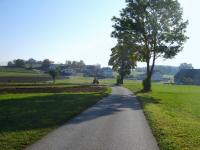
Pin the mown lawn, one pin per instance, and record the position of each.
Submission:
(173, 113)
(25, 118)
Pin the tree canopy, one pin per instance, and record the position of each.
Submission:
(153, 29)
(122, 60)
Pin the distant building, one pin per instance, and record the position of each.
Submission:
(96, 70)
(157, 76)
(67, 72)
(107, 72)
(140, 76)
(91, 70)
(187, 77)
(52, 67)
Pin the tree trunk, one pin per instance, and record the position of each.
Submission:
(122, 79)
(147, 83)
(147, 80)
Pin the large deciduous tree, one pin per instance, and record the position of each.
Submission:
(155, 28)
(122, 60)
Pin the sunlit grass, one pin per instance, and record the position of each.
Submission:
(174, 114)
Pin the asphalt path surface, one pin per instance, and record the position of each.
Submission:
(114, 123)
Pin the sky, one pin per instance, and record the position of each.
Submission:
(63, 30)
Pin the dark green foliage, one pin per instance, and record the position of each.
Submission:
(188, 76)
(146, 84)
(95, 81)
(46, 64)
(10, 64)
(53, 73)
(122, 60)
(187, 81)
(19, 63)
(119, 80)
(153, 28)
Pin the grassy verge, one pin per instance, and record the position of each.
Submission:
(173, 113)
(25, 118)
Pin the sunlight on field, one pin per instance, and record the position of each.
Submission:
(174, 114)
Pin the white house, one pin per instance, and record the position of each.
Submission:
(107, 72)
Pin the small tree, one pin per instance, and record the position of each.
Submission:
(122, 61)
(10, 64)
(153, 28)
(53, 73)
(19, 63)
(30, 62)
(46, 64)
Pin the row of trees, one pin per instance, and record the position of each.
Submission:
(76, 65)
(147, 30)
(45, 64)
(30, 63)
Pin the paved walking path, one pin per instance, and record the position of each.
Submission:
(115, 123)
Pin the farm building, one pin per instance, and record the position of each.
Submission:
(95, 70)
(91, 70)
(187, 77)
(157, 76)
(106, 72)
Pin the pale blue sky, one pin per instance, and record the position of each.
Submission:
(75, 29)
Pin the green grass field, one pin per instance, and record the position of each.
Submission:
(18, 72)
(20, 75)
(173, 113)
(25, 118)
(85, 80)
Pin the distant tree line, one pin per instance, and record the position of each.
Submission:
(167, 70)
(30, 63)
(45, 64)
